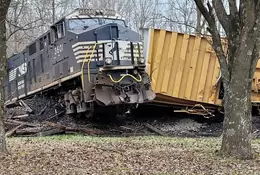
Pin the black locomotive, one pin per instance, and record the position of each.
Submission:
(89, 59)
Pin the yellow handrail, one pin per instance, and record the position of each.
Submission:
(88, 61)
(129, 75)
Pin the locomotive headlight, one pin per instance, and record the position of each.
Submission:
(108, 61)
(142, 60)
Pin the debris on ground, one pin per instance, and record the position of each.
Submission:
(43, 116)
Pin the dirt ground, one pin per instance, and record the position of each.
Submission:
(133, 155)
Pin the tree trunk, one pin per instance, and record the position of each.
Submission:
(237, 123)
(237, 66)
(2, 76)
(237, 128)
(4, 5)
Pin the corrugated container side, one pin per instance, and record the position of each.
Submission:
(182, 66)
(185, 69)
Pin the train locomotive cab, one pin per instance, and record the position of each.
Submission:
(110, 59)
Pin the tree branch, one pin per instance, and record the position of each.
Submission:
(247, 17)
(204, 12)
(255, 34)
(217, 44)
(233, 8)
(221, 14)
(21, 27)
(179, 22)
(255, 57)
(257, 7)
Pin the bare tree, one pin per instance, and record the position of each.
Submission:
(138, 13)
(21, 21)
(27, 19)
(182, 15)
(18, 21)
(4, 5)
(143, 14)
(83, 3)
(16, 8)
(242, 28)
(200, 22)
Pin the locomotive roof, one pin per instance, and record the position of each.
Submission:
(93, 13)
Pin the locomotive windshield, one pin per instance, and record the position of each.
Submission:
(83, 23)
(107, 21)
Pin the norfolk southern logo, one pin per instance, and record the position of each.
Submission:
(17, 72)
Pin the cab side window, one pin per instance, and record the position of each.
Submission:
(58, 31)
(32, 49)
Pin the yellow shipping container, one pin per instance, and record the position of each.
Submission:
(185, 70)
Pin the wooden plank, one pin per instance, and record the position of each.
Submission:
(20, 116)
(50, 132)
(126, 128)
(12, 131)
(83, 130)
(155, 129)
(29, 130)
(21, 123)
(55, 115)
(23, 104)
(43, 110)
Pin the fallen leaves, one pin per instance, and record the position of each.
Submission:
(132, 155)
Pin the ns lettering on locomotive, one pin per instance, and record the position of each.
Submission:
(88, 59)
